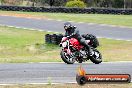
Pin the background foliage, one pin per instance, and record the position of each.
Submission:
(75, 3)
(62, 3)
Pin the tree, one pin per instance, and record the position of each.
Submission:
(118, 4)
(60, 2)
(51, 2)
(128, 3)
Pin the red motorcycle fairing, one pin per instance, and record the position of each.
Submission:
(75, 43)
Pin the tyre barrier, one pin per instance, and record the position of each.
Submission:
(48, 38)
(68, 10)
(56, 39)
(53, 38)
(59, 38)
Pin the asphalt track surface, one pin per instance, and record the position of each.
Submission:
(100, 30)
(61, 72)
(56, 72)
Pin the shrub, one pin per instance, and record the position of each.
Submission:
(75, 3)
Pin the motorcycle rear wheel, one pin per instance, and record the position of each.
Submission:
(66, 58)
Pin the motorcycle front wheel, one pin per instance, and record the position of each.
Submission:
(97, 57)
(67, 58)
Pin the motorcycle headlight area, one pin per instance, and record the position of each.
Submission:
(64, 44)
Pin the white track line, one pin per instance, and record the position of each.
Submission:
(72, 21)
(78, 63)
(56, 32)
(114, 39)
(12, 84)
(27, 28)
(40, 83)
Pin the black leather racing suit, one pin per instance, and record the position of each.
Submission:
(74, 33)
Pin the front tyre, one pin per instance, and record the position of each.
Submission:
(67, 58)
(97, 57)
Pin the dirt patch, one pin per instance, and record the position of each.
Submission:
(23, 15)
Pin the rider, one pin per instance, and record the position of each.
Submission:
(71, 31)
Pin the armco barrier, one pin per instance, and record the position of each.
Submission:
(67, 10)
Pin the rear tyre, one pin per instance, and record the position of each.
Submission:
(66, 58)
(97, 57)
(80, 62)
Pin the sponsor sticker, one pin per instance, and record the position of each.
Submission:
(83, 78)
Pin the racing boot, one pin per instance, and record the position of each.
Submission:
(90, 51)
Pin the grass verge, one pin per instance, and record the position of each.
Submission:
(71, 86)
(21, 46)
(119, 20)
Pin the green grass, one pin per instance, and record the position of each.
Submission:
(115, 50)
(120, 20)
(21, 46)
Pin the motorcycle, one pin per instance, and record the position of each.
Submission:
(73, 51)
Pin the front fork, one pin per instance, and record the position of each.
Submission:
(68, 49)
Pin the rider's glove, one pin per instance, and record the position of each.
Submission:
(68, 37)
(72, 34)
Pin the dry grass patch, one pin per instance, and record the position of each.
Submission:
(14, 14)
(71, 86)
(116, 50)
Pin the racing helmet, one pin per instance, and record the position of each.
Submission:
(67, 26)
